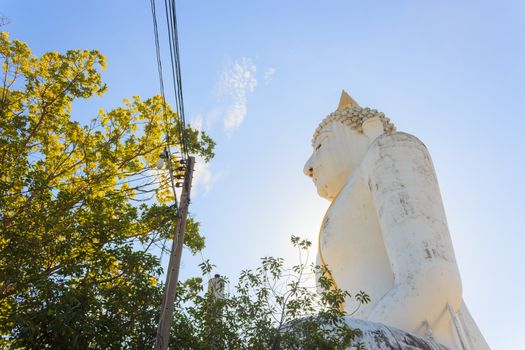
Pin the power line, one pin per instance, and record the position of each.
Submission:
(159, 65)
(171, 19)
(161, 82)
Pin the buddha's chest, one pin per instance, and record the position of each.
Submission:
(351, 243)
(350, 229)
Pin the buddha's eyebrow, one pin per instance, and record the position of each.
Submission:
(321, 137)
(326, 130)
(322, 134)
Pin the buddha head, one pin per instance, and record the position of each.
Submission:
(340, 144)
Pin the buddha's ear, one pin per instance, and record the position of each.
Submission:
(373, 128)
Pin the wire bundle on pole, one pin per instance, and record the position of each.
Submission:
(173, 38)
(171, 20)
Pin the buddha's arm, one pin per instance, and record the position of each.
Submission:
(407, 199)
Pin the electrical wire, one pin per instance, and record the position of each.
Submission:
(171, 18)
(161, 82)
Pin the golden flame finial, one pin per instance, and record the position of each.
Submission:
(346, 101)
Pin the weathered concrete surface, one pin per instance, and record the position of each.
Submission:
(376, 336)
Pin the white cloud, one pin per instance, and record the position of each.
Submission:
(197, 121)
(212, 116)
(269, 73)
(235, 84)
(203, 177)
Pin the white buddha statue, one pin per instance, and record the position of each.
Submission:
(386, 232)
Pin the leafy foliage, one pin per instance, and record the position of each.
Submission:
(272, 307)
(80, 207)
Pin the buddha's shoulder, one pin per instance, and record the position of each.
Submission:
(396, 143)
(396, 140)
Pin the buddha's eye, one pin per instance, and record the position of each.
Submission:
(318, 146)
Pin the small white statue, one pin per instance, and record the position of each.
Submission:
(386, 232)
(216, 287)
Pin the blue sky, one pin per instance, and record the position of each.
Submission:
(260, 76)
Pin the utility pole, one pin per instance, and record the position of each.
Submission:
(172, 277)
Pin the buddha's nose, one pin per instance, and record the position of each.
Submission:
(308, 169)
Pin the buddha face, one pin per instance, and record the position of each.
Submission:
(338, 151)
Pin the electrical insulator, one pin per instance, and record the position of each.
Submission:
(162, 156)
(160, 164)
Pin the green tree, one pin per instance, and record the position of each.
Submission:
(271, 307)
(80, 207)
(81, 210)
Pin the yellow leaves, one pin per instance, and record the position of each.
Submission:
(153, 281)
(124, 187)
(3, 242)
(101, 60)
(164, 193)
(114, 266)
(4, 40)
(99, 194)
(16, 55)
